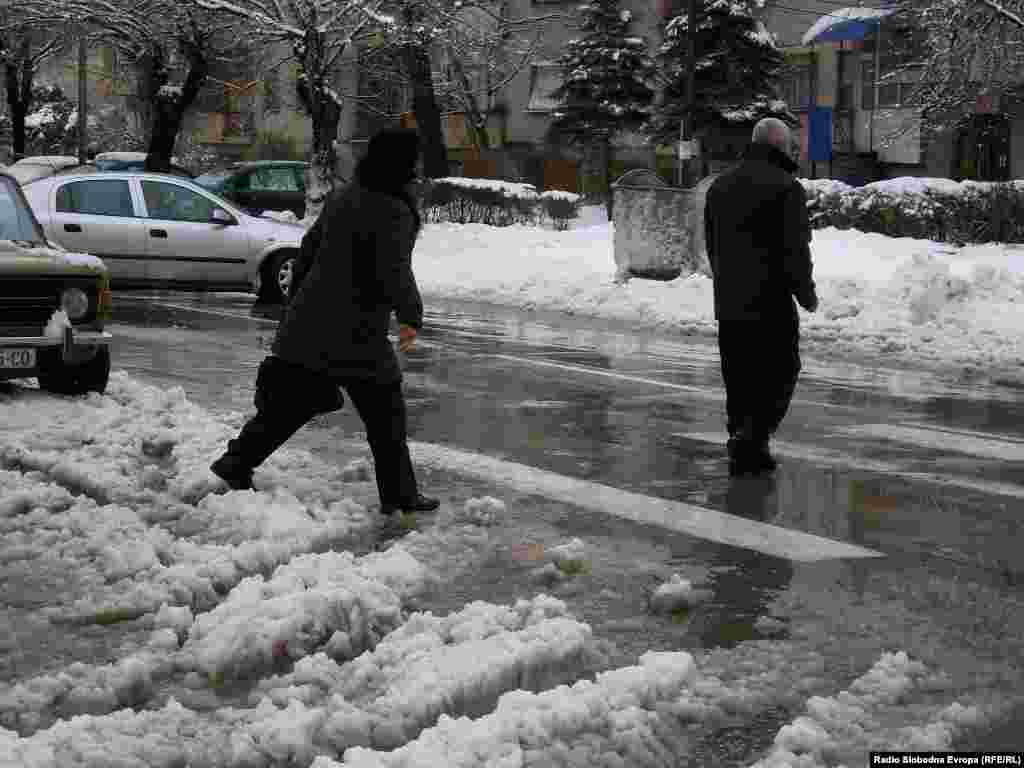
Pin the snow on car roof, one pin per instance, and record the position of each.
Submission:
(53, 161)
(121, 156)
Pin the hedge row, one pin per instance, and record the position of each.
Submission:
(944, 211)
(499, 204)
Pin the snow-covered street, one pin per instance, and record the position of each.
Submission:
(535, 620)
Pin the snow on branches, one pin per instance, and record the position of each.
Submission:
(956, 51)
(738, 69)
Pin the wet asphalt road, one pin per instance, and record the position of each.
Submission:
(925, 470)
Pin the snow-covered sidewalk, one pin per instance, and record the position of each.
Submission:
(334, 660)
(908, 298)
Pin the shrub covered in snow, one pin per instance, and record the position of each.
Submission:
(932, 209)
(496, 203)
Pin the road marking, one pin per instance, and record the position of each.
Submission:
(986, 447)
(959, 431)
(717, 395)
(215, 312)
(832, 458)
(647, 510)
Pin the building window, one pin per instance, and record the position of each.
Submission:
(544, 80)
(796, 87)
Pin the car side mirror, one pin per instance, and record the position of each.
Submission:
(222, 217)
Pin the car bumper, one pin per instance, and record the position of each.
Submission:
(76, 338)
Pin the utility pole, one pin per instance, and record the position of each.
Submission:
(690, 175)
(83, 106)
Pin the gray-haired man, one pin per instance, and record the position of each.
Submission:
(758, 240)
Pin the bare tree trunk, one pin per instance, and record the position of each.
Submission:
(169, 108)
(428, 114)
(324, 111)
(19, 76)
(477, 119)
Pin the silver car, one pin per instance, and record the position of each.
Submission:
(160, 231)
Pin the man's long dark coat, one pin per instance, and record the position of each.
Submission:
(758, 241)
(337, 320)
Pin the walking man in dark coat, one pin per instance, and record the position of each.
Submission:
(758, 241)
(353, 270)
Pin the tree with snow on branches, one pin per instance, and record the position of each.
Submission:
(609, 81)
(738, 69)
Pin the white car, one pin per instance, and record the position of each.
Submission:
(161, 231)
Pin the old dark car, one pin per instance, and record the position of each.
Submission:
(53, 305)
(264, 185)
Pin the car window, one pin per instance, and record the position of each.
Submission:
(173, 203)
(240, 183)
(280, 179)
(16, 222)
(300, 177)
(106, 197)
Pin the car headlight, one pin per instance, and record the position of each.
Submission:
(75, 303)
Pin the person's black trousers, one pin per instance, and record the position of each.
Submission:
(287, 398)
(760, 364)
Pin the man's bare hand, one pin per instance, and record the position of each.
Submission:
(406, 338)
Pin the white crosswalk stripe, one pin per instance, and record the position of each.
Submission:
(972, 444)
(832, 458)
(677, 516)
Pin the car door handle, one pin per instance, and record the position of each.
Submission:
(158, 232)
(72, 228)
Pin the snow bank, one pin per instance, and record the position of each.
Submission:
(298, 610)
(843, 729)
(452, 665)
(107, 485)
(509, 188)
(915, 298)
(614, 721)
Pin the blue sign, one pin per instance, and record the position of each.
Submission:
(819, 134)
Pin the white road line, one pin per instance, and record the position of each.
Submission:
(215, 312)
(959, 431)
(647, 510)
(831, 458)
(987, 447)
(716, 395)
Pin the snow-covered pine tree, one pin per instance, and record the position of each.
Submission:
(738, 68)
(608, 83)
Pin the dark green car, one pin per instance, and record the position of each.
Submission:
(265, 185)
(53, 305)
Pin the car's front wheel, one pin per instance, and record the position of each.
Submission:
(63, 378)
(276, 280)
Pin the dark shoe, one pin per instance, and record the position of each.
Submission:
(420, 504)
(749, 457)
(237, 478)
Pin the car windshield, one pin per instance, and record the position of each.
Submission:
(16, 220)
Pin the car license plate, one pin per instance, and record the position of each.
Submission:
(17, 358)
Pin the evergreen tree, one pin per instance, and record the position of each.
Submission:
(608, 81)
(738, 68)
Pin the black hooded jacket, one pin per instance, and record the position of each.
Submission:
(758, 239)
(355, 268)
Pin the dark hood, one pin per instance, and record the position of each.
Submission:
(390, 161)
(766, 153)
